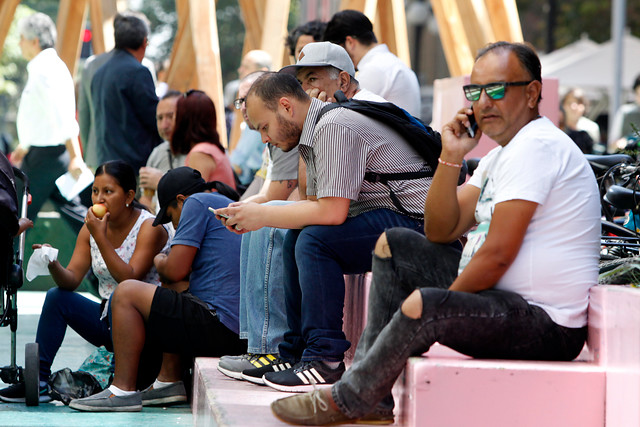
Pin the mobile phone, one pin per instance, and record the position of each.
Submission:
(473, 126)
(213, 211)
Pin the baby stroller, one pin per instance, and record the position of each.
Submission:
(11, 279)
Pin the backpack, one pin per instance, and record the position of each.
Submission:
(416, 133)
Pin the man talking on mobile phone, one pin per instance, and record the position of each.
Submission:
(520, 288)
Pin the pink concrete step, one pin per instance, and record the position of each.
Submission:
(448, 389)
(614, 338)
(222, 401)
(600, 388)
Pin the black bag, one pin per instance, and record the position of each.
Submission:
(67, 385)
(417, 134)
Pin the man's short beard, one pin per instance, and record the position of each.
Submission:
(289, 133)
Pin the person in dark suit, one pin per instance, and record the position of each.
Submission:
(124, 97)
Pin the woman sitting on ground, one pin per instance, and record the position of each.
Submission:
(195, 134)
(118, 246)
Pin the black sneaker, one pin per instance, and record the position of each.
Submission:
(16, 393)
(233, 366)
(255, 375)
(304, 376)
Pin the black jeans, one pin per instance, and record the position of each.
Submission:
(487, 324)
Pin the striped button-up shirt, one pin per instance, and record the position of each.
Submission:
(344, 145)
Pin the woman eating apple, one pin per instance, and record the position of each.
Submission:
(119, 242)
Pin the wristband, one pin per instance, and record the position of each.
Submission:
(453, 165)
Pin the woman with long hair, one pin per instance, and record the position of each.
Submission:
(196, 136)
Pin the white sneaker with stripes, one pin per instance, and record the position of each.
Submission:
(304, 376)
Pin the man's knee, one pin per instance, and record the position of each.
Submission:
(412, 306)
(382, 249)
(127, 291)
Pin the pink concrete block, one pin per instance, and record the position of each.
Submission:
(458, 391)
(614, 338)
(355, 309)
(222, 401)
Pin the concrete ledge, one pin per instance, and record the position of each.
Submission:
(460, 391)
(222, 401)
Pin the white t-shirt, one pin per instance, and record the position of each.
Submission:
(384, 74)
(558, 260)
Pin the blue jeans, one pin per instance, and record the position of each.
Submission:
(263, 319)
(487, 324)
(315, 260)
(62, 308)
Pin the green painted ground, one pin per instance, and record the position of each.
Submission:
(73, 351)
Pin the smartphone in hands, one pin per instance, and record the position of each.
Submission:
(473, 126)
(213, 211)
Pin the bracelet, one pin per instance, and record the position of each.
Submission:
(453, 165)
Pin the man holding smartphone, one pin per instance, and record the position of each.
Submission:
(520, 290)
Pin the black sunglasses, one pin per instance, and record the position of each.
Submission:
(494, 90)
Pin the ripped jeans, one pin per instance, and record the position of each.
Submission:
(487, 324)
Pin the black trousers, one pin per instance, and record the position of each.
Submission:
(43, 165)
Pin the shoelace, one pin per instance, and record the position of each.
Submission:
(304, 366)
(317, 401)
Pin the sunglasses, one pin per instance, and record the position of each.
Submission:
(238, 103)
(495, 90)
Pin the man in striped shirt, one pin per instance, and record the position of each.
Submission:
(332, 232)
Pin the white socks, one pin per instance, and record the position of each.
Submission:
(332, 365)
(118, 392)
(161, 384)
(156, 385)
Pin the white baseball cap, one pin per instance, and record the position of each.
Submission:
(322, 54)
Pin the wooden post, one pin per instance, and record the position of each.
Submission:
(7, 10)
(392, 23)
(453, 37)
(101, 13)
(265, 24)
(505, 21)
(70, 26)
(195, 57)
(207, 65)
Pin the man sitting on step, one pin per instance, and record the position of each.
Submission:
(323, 69)
(520, 290)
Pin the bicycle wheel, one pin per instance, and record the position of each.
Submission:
(32, 374)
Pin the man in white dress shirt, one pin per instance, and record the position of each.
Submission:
(47, 128)
(379, 70)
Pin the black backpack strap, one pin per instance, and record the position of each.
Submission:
(384, 178)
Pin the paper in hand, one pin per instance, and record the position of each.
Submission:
(39, 262)
(70, 187)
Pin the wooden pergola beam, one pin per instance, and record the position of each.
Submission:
(195, 56)
(7, 11)
(468, 25)
(265, 24)
(505, 21)
(101, 14)
(70, 26)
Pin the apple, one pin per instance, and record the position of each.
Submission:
(99, 210)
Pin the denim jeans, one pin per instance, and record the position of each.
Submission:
(263, 319)
(315, 260)
(62, 308)
(487, 324)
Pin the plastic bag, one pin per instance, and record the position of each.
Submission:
(100, 365)
(67, 385)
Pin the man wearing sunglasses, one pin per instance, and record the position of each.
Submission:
(520, 289)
